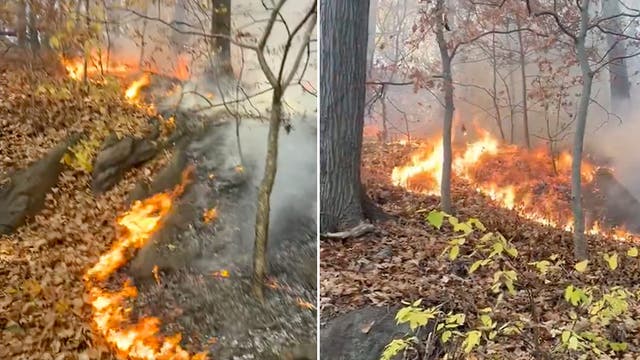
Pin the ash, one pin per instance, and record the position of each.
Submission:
(219, 314)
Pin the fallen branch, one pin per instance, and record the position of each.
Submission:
(357, 231)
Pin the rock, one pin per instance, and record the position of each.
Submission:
(117, 157)
(167, 178)
(24, 195)
(360, 334)
(301, 352)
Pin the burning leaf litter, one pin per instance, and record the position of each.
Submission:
(142, 339)
(527, 181)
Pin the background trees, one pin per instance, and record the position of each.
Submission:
(539, 55)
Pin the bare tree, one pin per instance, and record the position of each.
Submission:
(279, 81)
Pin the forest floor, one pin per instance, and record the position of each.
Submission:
(406, 259)
(43, 306)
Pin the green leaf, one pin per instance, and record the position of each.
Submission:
(394, 348)
(511, 251)
(573, 343)
(486, 237)
(622, 346)
(416, 317)
(486, 321)
(463, 228)
(475, 222)
(581, 266)
(472, 340)
(453, 220)
(565, 336)
(446, 336)
(542, 266)
(612, 260)
(454, 252)
(632, 252)
(475, 266)
(417, 303)
(435, 218)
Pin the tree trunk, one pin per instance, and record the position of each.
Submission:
(619, 85)
(445, 184)
(34, 41)
(264, 195)
(525, 109)
(221, 24)
(87, 53)
(371, 39)
(179, 18)
(496, 106)
(343, 65)
(21, 23)
(580, 250)
(385, 128)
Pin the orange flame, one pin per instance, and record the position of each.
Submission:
(141, 340)
(133, 91)
(182, 71)
(515, 178)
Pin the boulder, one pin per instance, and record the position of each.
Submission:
(117, 157)
(24, 194)
(360, 334)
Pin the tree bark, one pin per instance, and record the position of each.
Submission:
(34, 41)
(620, 88)
(525, 109)
(221, 24)
(496, 106)
(264, 195)
(447, 124)
(580, 249)
(21, 23)
(371, 39)
(343, 65)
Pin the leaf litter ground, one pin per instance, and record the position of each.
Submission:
(402, 260)
(43, 313)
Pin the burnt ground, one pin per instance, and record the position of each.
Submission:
(220, 314)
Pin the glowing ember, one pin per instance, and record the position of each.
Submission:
(210, 215)
(133, 91)
(305, 304)
(525, 181)
(140, 340)
(156, 274)
(221, 274)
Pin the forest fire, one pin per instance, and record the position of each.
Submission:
(527, 181)
(133, 91)
(111, 315)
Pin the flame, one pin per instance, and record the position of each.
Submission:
(133, 91)
(182, 71)
(515, 178)
(140, 340)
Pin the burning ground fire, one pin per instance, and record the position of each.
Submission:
(515, 178)
(111, 315)
(99, 65)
